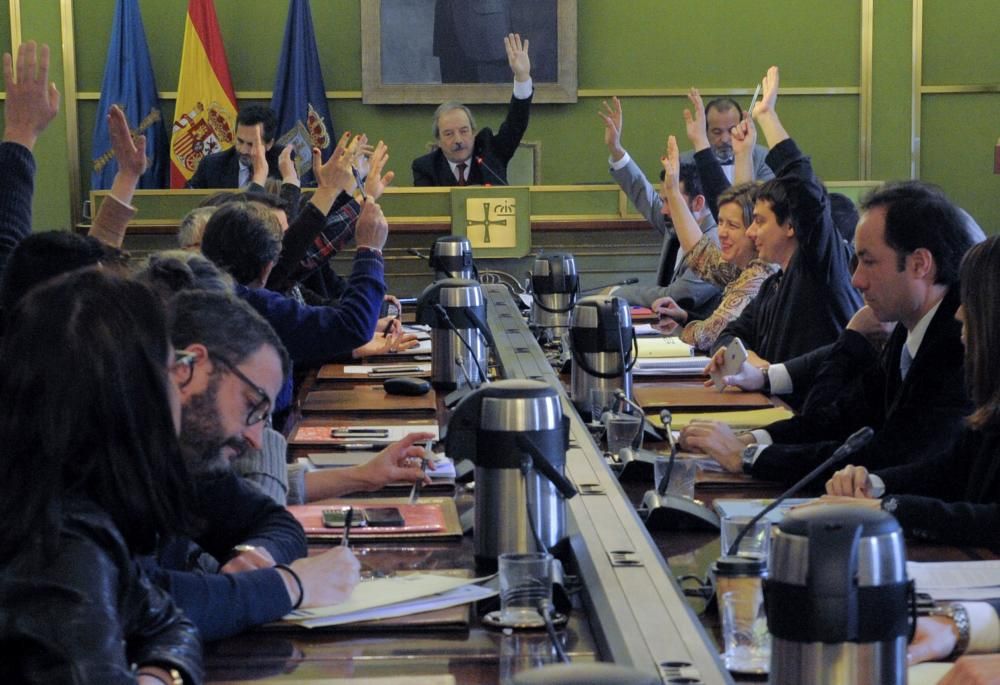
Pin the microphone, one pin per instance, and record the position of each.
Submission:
(627, 281)
(465, 374)
(856, 441)
(666, 417)
(484, 330)
(484, 165)
(443, 315)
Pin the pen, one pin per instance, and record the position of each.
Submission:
(345, 537)
(753, 100)
(361, 431)
(378, 371)
(357, 179)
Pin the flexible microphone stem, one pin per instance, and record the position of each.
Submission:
(666, 417)
(465, 374)
(443, 314)
(858, 439)
(484, 165)
(417, 253)
(627, 281)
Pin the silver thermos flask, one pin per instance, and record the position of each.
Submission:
(451, 307)
(837, 599)
(601, 341)
(555, 287)
(451, 257)
(517, 495)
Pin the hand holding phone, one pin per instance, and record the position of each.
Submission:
(733, 357)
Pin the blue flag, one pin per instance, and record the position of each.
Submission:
(129, 83)
(299, 97)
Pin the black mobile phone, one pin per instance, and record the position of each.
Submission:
(384, 517)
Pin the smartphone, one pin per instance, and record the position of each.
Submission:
(735, 355)
(384, 517)
(361, 433)
(337, 518)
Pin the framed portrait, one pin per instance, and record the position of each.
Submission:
(430, 51)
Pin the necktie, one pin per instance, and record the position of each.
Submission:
(461, 173)
(905, 360)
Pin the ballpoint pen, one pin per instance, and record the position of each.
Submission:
(415, 490)
(357, 179)
(345, 537)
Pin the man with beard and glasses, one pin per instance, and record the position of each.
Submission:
(247, 565)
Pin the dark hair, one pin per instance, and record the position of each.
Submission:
(919, 215)
(688, 175)
(723, 105)
(86, 412)
(782, 195)
(980, 273)
(251, 115)
(239, 242)
(41, 256)
(223, 323)
(742, 195)
(845, 215)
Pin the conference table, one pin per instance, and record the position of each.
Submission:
(627, 606)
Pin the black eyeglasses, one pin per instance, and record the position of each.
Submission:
(261, 409)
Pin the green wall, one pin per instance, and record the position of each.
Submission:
(644, 46)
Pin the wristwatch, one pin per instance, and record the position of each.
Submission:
(960, 617)
(766, 389)
(749, 456)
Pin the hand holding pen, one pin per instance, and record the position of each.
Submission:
(345, 536)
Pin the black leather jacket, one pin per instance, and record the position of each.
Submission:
(90, 613)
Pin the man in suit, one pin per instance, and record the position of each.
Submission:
(909, 243)
(233, 168)
(465, 156)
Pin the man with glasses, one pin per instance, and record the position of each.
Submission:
(247, 564)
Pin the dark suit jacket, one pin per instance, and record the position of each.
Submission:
(496, 150)
(222, 169)
(913, 419)
(954, 497)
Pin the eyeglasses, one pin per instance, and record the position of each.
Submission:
(261, 410)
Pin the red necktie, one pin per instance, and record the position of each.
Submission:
(461, 173)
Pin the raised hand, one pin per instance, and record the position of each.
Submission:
(744, 136)
(377, 182)
(372, 229)
(696, 123)
(768, 93)
(128, 150)
(613, 121)
(517, 56)
(671, 166)
(258, 157)
(286, 165)
(32, 101)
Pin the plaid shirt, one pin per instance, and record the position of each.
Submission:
(338, 231)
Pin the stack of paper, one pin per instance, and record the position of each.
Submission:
(397, 596)
(661, 347)
(669, 366)
(956, 580)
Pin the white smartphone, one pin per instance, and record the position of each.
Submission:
(735, 355)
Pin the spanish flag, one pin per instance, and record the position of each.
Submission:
(205, 115)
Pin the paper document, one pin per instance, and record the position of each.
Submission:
(660, 347)
(960, 580)
(929, 673)
(443, 600)
(645, 329)
(383, 592)
(747, 419)
(672, 366)
(728, 508)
